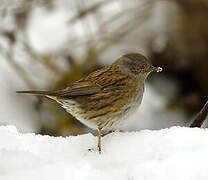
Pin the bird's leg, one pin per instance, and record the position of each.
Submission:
(105, 134)
(99, 140)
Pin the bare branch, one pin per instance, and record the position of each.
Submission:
(201, 116)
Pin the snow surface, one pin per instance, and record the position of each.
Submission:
(176, 153)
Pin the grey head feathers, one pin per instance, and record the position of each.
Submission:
(135, 65)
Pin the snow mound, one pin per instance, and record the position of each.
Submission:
(176, 153)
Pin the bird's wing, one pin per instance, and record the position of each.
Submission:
(80, 88)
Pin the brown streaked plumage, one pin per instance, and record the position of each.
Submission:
(106, 97)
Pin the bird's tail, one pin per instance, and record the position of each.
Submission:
(39, 93)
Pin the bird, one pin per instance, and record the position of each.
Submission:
(106, 98)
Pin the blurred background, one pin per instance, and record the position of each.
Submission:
(48, 44)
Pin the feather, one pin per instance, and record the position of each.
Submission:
(80, 88)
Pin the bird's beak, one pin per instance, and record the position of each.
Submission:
(157, 69)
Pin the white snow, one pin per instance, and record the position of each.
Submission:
(176, 153)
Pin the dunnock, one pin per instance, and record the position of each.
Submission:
(106, 97)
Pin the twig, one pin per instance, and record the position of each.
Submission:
(82, 13)
(44, 61)
(201, 116)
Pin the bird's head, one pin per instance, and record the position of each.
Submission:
(136, 65)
